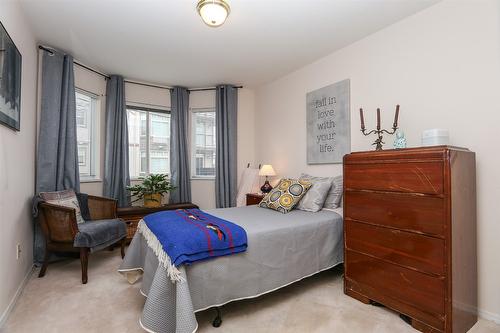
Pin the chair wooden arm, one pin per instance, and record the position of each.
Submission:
(58, 223)
(102, 208)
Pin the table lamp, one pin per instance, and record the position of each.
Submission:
(266, 170)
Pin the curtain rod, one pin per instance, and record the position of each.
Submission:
(106, 76)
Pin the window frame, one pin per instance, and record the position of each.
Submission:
(94, 143)
(148, 132)
(192, 112)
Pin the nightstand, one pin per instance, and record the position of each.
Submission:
(254, 198)
(133, 214)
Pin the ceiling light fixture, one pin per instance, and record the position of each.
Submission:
(213, 12)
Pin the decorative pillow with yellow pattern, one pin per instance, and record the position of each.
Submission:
(286, 195)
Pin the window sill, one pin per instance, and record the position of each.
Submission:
(202, 178)
(90, 180)
(141, 178)
(136, 179)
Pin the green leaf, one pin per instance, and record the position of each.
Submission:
(151, 184)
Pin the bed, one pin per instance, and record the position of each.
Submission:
(282, 249)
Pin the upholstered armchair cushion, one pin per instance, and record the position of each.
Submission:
(99, 234)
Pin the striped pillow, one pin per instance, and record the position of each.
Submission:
(335, 195)
(66, 198)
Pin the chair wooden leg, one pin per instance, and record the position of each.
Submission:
(84, 260)
(45, 263)
(122, 246)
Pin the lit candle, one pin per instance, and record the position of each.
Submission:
(362, 119)
(378, 119)
(396, 116)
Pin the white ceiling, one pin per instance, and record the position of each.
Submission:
(165, 41)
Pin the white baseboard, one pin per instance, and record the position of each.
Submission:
(13, 301)
(494, 317)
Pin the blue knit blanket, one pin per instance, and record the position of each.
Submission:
(189, 235)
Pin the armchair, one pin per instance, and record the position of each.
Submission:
(63, 233)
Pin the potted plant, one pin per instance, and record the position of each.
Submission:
(151, 190)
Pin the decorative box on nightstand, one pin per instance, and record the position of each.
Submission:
(254, 198)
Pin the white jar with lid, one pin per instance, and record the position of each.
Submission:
(435, 137)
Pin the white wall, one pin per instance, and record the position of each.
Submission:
(203, 190)
(443, 66)
(246, 130)
(17, 166)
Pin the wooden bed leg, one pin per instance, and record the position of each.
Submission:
(122, 246)
(218, 318)
(45, 263)
(84, 260)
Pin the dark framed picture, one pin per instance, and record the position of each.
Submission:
(10, 81)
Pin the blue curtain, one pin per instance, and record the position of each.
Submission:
(226, 112)
(180, 175)
(116, 171)
(57, 158)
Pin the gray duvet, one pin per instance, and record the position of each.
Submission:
(282, 248)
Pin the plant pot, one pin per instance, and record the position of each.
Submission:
(152, 200)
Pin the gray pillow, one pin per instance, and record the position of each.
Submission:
(335, 195)
(313, 200)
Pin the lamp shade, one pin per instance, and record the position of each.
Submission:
(267, 170)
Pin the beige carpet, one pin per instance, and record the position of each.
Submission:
(60, 303)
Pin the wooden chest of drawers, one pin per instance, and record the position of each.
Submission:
(410, 234)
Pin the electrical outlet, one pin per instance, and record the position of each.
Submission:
(18, 251)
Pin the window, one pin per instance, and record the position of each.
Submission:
(203, 137)
(148, 141)
(82, 157)
(86, 133)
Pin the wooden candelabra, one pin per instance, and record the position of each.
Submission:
(378, 142)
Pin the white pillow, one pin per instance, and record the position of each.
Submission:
(314, 199)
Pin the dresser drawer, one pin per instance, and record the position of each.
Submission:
(415, 294)
(419, 252)
(412, 177)
(422, 214)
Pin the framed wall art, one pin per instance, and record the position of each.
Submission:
(10, 81)
(328, 123)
